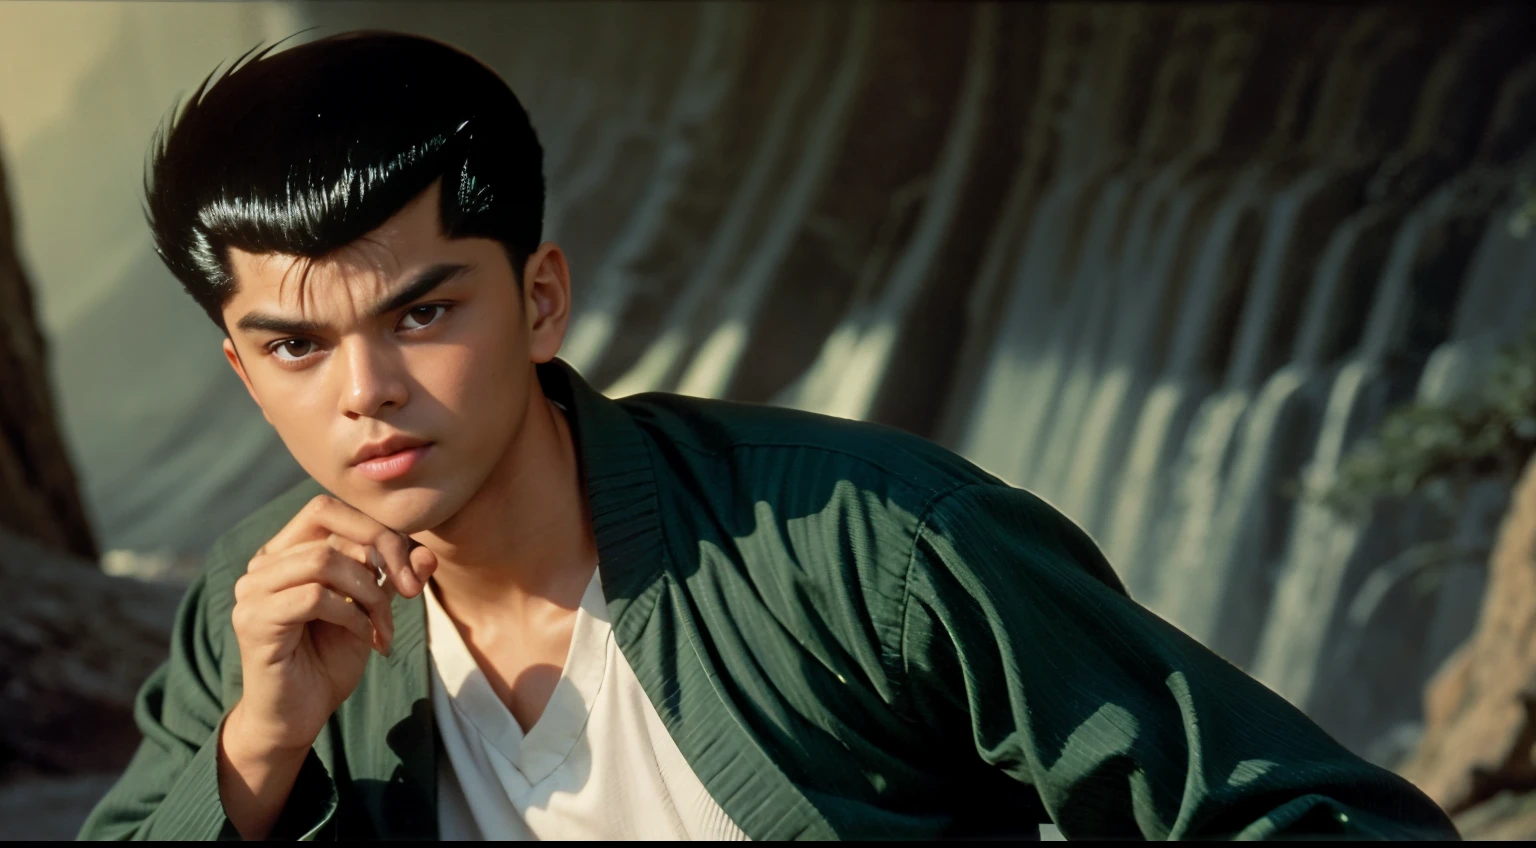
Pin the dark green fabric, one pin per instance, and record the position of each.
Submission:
(849, 632)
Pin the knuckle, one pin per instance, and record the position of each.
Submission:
(247, 588)
(318, 503)
(336, 570)
(395, 548)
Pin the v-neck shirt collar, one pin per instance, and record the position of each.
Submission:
(540, 750)
(647, 609)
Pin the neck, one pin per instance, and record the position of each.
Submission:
(525, 538)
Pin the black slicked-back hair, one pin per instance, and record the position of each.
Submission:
(304, 151)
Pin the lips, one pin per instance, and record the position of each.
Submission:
(394, 457)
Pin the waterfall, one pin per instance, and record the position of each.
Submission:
(1151, 261)
(1151, 269)
(1223, 257)
(715, 364)
(1299, 652)
(703, 94)
(1073, 333)
(1005, 389)
(662, 359)
(1193, 584)
(854, 361)
(1248, 531)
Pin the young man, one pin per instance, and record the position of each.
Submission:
(508, 607)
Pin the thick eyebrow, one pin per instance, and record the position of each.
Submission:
(418, 286)
(261, 322)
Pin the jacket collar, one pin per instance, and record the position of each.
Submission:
(621, 494)
(620, 487)
(657, 624)
(653, 624)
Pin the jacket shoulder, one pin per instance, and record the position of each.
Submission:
(804, 519)
(858, 452)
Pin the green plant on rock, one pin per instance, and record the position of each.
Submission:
(1435, 450)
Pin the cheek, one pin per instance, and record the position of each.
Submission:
(472, 383)
(448, 374)
(304, 419)
(485, 361)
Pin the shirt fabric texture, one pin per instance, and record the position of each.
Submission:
(848, 632)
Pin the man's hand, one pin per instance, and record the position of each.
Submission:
(307, 612)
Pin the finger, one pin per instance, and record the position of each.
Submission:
(313, 602)
(321, 516)
(334, 570)
(272, 557)
(267, 557)
(366, 555)
(355, 551)
(362, 588)
(325, 515)
(357, 581)
(394, 549)
(423, 562)
(385, 550)
(383, 637)
(301, 528)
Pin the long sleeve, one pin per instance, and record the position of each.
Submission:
(1019, 642)
(170, 789)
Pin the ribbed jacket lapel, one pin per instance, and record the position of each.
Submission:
(657, 635)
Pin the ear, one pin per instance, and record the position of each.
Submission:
(233, 358)
(546, 301)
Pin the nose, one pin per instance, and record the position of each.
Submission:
(371, 380)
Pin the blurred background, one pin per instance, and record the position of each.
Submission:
(1244, 290)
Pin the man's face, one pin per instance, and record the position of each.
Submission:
(400, 372)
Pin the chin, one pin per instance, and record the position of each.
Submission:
(409, 510)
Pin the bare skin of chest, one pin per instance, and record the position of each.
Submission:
(522, 661)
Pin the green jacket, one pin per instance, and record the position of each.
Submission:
(849, 632)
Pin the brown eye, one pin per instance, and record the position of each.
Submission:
(292, 350)
(420, 316)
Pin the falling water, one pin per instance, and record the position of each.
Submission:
(1219, 242)
(1329, 554)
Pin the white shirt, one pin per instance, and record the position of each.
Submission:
(598, 763)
